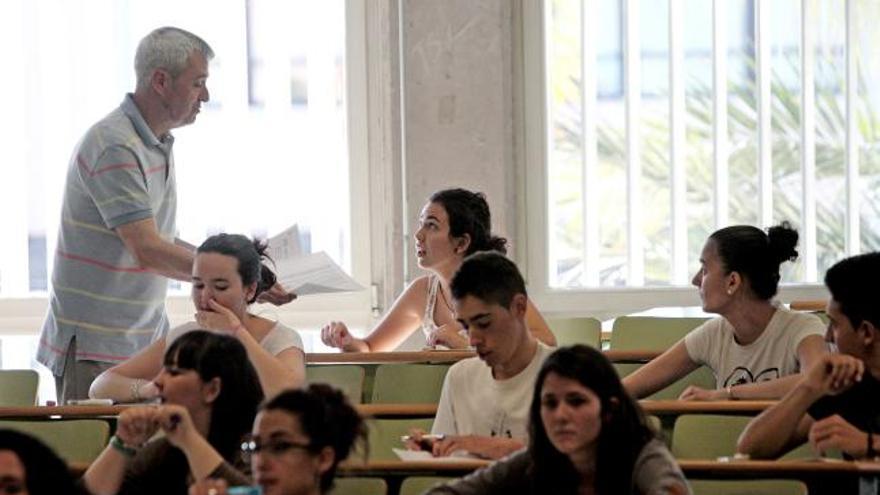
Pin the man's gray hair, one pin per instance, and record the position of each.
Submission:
(167, 48)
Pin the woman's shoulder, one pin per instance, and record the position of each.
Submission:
(179, 330)
(656, 465)
(281, 337)
(416, 293)
(422, 283)
(807, 323)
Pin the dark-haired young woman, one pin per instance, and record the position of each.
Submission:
(587, 436)
(228, 275)
(299, 438)
(209, 394)
(453, 224)
(30, 467)
(756, 348)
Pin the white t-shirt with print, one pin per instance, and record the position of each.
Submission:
(772, 355)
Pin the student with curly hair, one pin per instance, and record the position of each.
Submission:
(453, 224)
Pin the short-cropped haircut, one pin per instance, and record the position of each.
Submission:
(490, 277)
(851, 283)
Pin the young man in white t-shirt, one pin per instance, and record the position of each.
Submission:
(484, 406)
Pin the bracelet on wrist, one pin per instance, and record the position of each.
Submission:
(122, 448)
(136, 390)
(729, 392)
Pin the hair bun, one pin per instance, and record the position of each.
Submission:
(782, 240)
(497, 244)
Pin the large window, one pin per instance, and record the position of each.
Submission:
(269, 150)
(666, 119)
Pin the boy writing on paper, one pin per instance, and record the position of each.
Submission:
(484, 405)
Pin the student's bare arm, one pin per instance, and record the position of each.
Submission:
(660, 372)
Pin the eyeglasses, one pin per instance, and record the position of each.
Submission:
(274, 448)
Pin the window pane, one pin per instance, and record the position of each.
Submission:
(830, 52)
(656, 192)
(244, 167)
(785, 104)
(699, 120)
(786, 73)
(868, 56)
(742, 120)
(565, 151)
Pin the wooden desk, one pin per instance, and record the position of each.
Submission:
(354, 467)
(678, 407)
(831, 477)
(808, 305)
(110, 412)
(657, 407)
(313, 358)
(824, 474)
(387, 357)
(65, 412)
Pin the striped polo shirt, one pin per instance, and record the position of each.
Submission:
(120, 172)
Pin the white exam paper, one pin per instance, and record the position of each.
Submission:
(314, 273)
(286, 245)
(423, 455)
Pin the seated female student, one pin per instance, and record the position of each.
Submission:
(29, 467)
(299, 438)
(228, 275)
(586, 436)
(453, 224)
(209, 394)
(756, 348)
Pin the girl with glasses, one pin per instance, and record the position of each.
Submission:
(299, 438)
(209, 394)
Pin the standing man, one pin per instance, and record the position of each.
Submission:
(116, 242)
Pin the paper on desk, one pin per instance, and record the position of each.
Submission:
(423, 455)
(314, 273)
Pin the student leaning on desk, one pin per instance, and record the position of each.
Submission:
(209, 394)
(756, 348)
(453, 224)
(836, 405)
